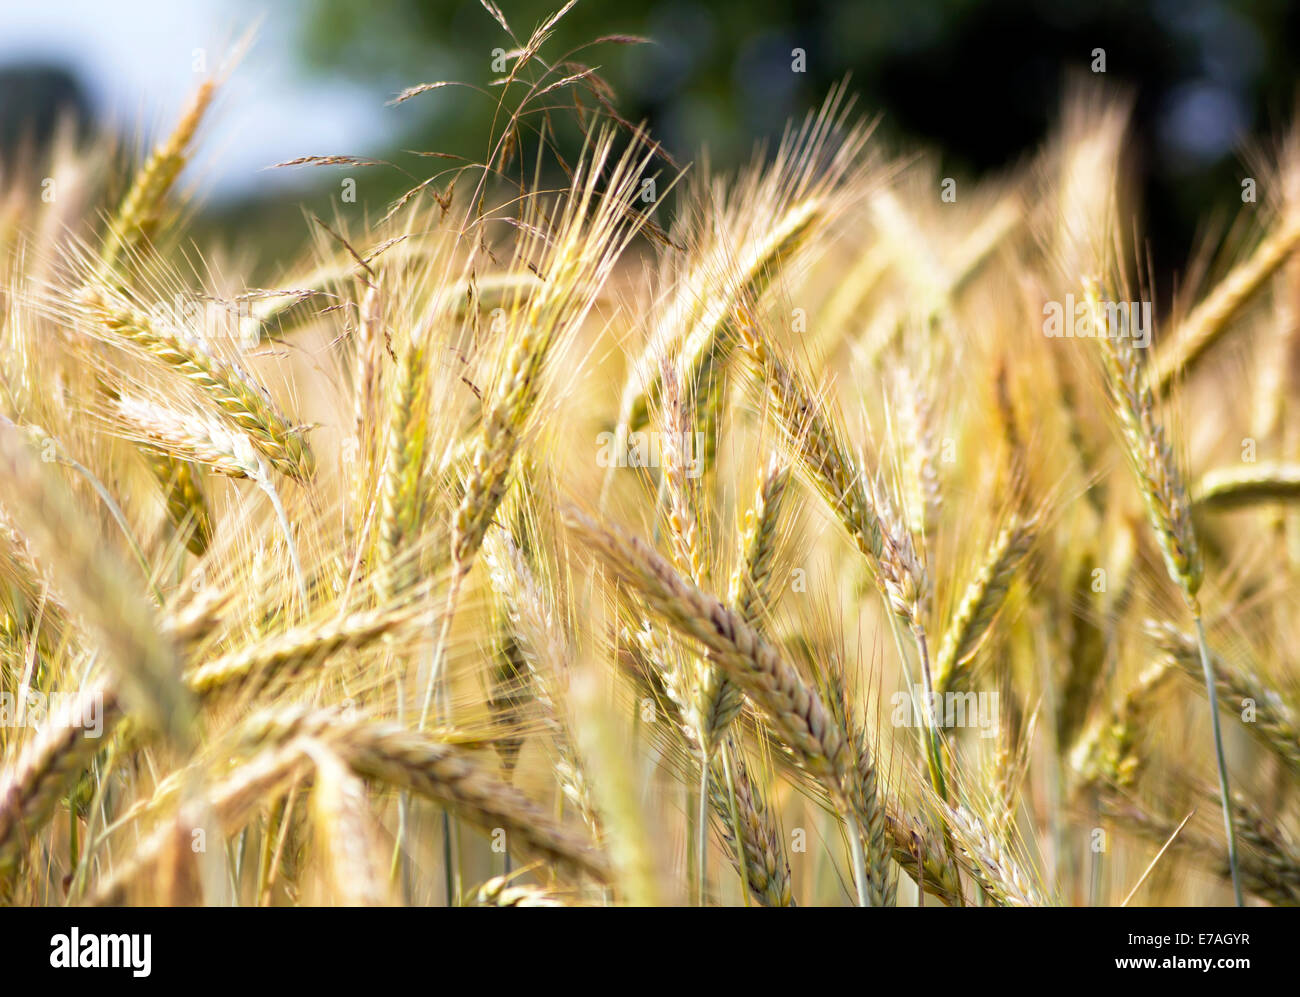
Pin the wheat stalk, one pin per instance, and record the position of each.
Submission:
(1274, 721)
(793, 708)
(339, 804)
(981, 602)
(32, 786)
(761, 858)
(189, 436)
(280, 659)
(997, 872)
(187, 508)
(420, 764)
(119, 622)
(546, 655)
(1250, 484)
(140, 214)
(229, 802)
(230, 389)
(1269, 865)
(403, 484)
(1205, 324)
(1168, 507)
(748, 593)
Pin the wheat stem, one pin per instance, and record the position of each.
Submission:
(1224, 793)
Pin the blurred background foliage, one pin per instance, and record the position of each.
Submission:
(978, 83)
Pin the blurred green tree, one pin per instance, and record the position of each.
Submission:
(981, 81)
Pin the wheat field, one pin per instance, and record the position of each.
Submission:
(620, 531)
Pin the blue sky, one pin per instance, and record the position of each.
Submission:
(136, 57)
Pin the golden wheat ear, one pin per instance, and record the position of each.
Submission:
(1169, 509)
(140, 215)
(33, 784)
(772, 221)
(118, 620)
(116, 319)
(744, 816)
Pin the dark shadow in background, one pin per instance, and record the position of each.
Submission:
(981, 83)
(33, 99)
